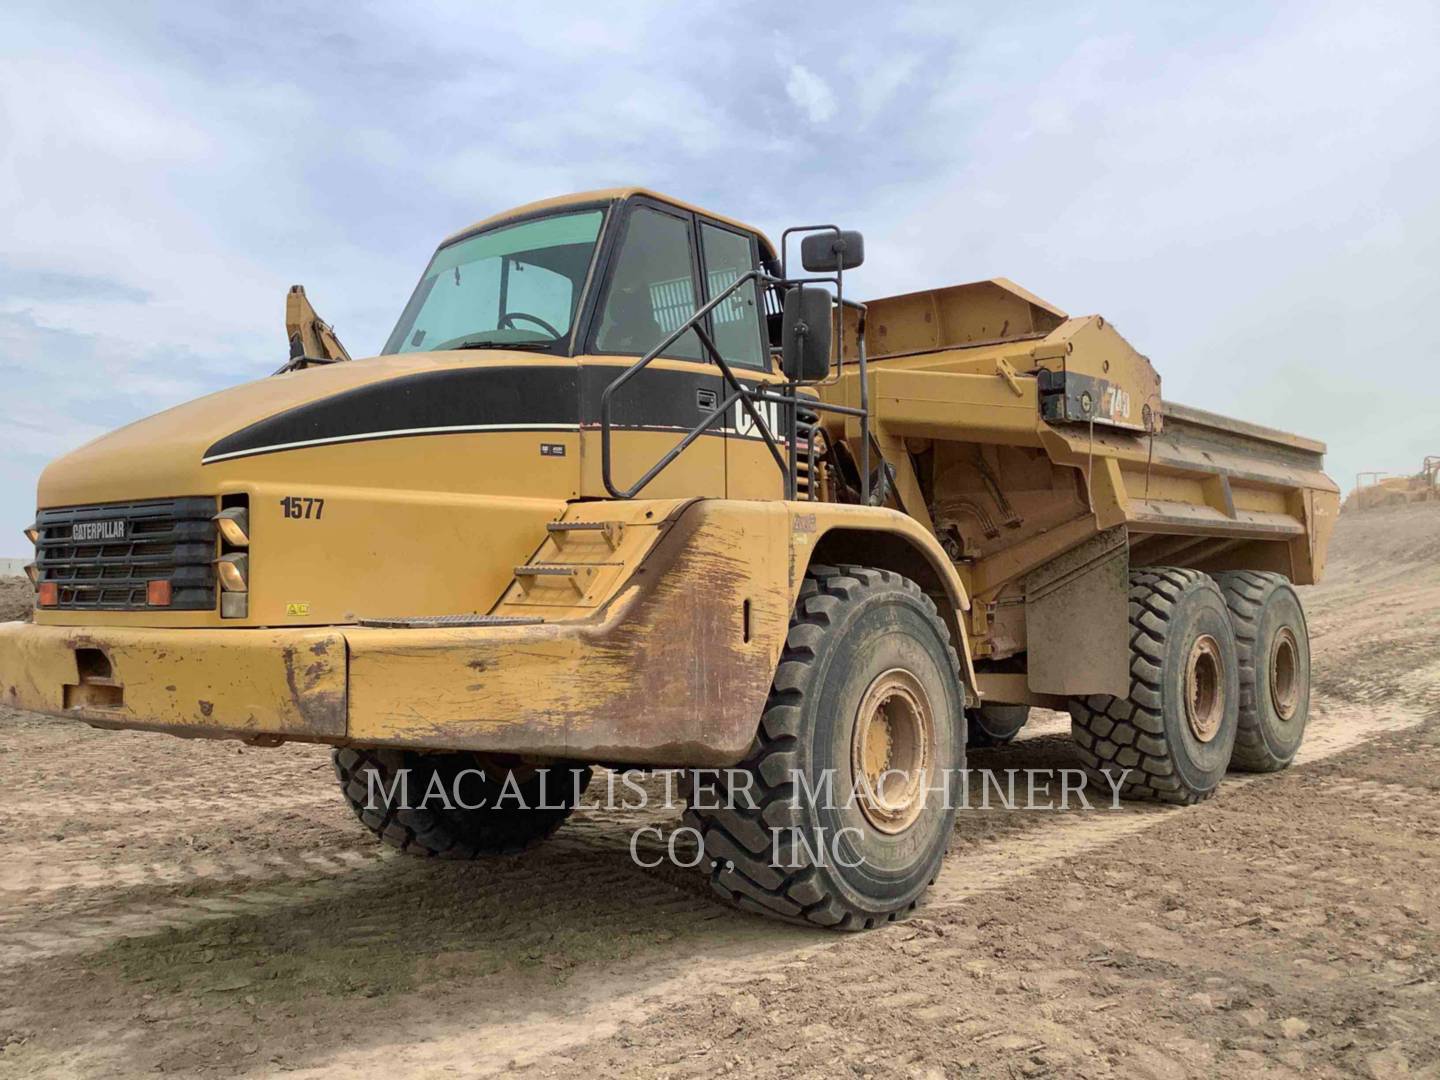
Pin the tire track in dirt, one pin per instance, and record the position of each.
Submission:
(80, 934)
(170, 835)
(121, 812)
(1333, 730)
(1034, 841)
(32, 879)
(86, 920)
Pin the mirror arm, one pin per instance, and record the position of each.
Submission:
(864, 408)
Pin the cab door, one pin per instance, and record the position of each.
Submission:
(737, 328)
(652, 285)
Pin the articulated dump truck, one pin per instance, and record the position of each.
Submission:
(627, 488)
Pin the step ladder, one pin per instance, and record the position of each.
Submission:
(568, 553)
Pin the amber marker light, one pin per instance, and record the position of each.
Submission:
(157, 593)
(233, 571)
(48, 594)
(234, 525)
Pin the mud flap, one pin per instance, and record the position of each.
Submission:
(1076, 625)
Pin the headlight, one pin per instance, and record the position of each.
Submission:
(234, 572)
(234, 523)
(32, 534)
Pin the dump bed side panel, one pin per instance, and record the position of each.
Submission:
(1210, 493)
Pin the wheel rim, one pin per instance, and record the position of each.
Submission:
(1204, 689)
(1285, 674)
(891, 750)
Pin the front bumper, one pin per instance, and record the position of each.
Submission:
(545, 691)
(262, 684)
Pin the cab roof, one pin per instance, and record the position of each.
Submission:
(607, 195)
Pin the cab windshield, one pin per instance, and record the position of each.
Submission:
(515, 286)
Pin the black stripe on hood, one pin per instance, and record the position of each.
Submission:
(522, 396)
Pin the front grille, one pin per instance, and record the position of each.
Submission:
(102, 557)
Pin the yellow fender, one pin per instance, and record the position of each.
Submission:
(887, 540)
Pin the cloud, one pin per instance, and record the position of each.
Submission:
(1248, 193)
(1244, 207)
(810, 94)
(25, 284)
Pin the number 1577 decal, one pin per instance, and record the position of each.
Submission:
(302, 507)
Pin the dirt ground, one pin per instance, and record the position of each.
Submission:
(203, 908)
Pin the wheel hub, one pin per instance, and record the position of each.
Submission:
(1204, 689)
(1284, 674)
(892, 746)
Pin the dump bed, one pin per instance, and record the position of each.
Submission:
(1018, 432)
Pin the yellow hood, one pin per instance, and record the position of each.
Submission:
(161, 454)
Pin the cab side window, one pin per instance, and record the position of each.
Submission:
(652, 289)
(735, 323)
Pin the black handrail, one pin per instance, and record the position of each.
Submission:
(747, 396)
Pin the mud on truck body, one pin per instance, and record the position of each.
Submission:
(624, 489)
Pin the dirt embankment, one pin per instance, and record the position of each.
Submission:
(17, 598)
(208, 909)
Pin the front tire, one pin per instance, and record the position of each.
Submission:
(1171, 737)
(484, 817)
(867, 693)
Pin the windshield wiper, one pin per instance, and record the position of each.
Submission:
(531, 345)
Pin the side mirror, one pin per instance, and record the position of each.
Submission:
(805, 329)
(825, 253)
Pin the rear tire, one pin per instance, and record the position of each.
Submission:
(868, 692)
(1175, 731)
(1274, 650)
(994, 725)
(427, 827)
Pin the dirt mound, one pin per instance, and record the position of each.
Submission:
(17, 597)
(1386, 536)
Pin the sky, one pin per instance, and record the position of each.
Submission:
(1250, 193)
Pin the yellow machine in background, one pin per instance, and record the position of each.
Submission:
(622, 489)
(312, 340)
(1382, 490)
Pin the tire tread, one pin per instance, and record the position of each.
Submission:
(418, 831)
(1246, 592)
(1114, 733)
(746, 874)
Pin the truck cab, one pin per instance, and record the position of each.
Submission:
(480, 418)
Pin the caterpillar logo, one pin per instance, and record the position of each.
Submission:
(745, 425)
(98, 530)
